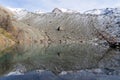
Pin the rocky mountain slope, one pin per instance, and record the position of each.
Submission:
(64, 22)
(61, 25)
(13, 31)
(6, 38)
(105, 11)
(109, 18)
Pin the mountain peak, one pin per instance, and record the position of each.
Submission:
(18, 12)
(104, 11)
(16, 9)
(62, 10)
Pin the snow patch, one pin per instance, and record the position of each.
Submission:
(105, 11)
(18, 12)
(38, 12)
(14, 73)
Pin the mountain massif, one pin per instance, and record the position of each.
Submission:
(59, 26)
(53, 41)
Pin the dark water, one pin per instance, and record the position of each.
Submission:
(58, 57)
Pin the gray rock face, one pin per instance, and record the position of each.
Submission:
(64, 27)
(73, 27)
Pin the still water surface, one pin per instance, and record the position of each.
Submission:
(58, 57)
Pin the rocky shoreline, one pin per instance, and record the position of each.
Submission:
(88, 74)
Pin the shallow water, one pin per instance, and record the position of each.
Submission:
(58, 57)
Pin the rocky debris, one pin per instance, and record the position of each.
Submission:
(66, 75)
(115, 45)
(83, 75)
(60, 28)
(19, 69)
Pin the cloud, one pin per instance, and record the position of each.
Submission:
(48, 5)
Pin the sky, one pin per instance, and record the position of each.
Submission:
(49, 5)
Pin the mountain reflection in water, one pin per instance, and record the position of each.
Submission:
(58, 57)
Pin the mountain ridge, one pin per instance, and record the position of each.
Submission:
(62, 27)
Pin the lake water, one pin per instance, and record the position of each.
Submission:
(58, 57)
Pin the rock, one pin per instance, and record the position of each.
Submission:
(60, 28)
(56, 10)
